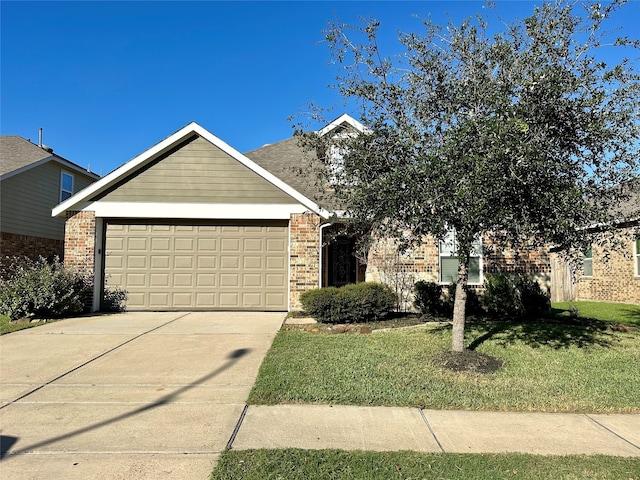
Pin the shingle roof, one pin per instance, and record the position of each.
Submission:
(17, 152)
(288, 161)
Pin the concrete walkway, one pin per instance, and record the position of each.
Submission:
(394, 429)
(127, 396)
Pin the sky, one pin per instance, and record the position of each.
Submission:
(108, 80)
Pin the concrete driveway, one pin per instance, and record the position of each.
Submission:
(132, 396)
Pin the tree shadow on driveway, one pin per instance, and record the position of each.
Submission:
(232, 358)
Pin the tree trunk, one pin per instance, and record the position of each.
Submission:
(460, 305)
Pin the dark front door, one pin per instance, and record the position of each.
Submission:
(342, 262)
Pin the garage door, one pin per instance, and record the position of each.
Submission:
(182, 267)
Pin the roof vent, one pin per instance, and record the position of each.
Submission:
(48, 149)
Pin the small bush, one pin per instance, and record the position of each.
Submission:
(501, 296)
(535, 302)
(320, 303)
(41, 288)
(428, 297)
(114, 300)
(361, 302)
(515, 295)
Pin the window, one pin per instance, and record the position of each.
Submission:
(449, 260)
(587, 264)
(637, 255)
(66, 186)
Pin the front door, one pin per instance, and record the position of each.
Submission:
(342, 265)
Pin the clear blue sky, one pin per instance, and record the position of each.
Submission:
(107, 80)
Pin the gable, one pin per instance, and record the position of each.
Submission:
(195, 171)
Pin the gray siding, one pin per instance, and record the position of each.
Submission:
(26, 201)
(196, 172)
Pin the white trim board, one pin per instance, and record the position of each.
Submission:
(207, 211)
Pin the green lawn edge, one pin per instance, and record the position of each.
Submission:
(296, 464)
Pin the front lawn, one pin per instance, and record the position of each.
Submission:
(546, 367)
(622, 313)
(293, 464)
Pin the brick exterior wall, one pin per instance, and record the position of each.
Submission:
(615, 280)
(304, 255)
(80, 240)
(424, 261)
(12, 245)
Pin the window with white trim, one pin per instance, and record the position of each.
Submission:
(587, 264)
(636, 255)
(66, 186)
(447, 251)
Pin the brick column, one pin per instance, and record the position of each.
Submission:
(304, 255)
(80, 241)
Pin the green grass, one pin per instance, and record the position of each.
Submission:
(547, 368)
(623, 313)
(7, 326)
(292, 464)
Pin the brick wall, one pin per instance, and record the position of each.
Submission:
(12, 244)
(424, 261)
(615, 279)
(79, 240)
(304, 255)
(79, 243)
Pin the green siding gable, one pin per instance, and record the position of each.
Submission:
(196, 172)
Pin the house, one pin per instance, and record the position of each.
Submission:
(33, 180)
(192, 223)
(610, 270)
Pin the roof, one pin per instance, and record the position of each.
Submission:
(287, 160)
(83, 198)
(291, 163)
(18, 154)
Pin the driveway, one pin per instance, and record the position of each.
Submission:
(134, 396)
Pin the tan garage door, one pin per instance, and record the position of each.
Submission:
(182, 267)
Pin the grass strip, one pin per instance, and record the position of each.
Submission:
(294, 464)
(7, 326)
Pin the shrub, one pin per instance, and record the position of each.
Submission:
(515, 295)
(428, 297)
(361, 302)
(500, 295)
(319, 303)
(114, 299)
(41, 288)
(535, 302)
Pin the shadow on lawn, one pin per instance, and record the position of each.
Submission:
(584, 333)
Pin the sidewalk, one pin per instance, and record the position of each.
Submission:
(393, 428)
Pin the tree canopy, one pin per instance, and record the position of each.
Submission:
(520, 131)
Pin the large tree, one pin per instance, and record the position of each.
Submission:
(517, 131)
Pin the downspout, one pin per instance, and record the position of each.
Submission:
(321, 265)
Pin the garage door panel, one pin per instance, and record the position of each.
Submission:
(199, 266)
(160, 261)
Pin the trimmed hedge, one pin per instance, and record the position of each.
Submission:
(359, 302)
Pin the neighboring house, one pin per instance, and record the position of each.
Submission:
(33, 180)
(192, 223)
(609, 272)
